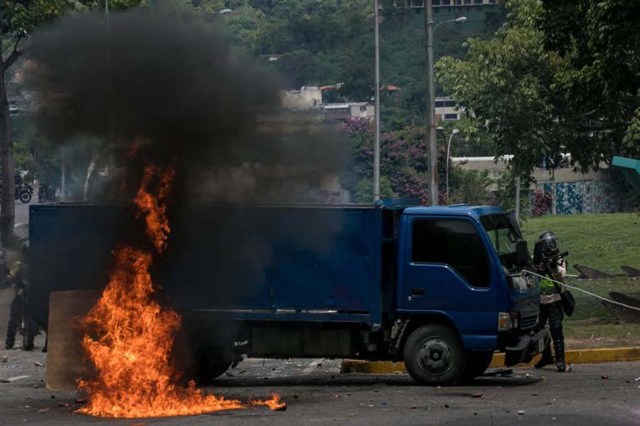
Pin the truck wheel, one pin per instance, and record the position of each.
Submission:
(477, 363)
(433, 355)
(210, 364)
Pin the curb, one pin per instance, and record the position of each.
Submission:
(574, 356)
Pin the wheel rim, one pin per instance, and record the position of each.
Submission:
(435, 357)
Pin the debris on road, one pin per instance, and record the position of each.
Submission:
(521, 412)
(13, 379)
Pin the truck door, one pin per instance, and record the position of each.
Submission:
(446, 269)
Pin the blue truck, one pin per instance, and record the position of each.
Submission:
(440, 288)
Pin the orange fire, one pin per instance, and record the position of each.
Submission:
(130, 336)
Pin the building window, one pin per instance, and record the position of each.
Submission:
(445, 2)
(477, 1)
(467, 1)
(440, 104)
(449, 117)
(455, 243)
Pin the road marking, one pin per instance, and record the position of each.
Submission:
(19, 224)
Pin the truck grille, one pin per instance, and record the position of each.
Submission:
(527, 323)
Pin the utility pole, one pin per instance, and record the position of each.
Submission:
(376, 144)
(431, 125)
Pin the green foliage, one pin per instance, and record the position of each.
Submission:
(403, 163)
(598, 83)
(506, 193)
(558, 76)
(469, 186)
(504, 84)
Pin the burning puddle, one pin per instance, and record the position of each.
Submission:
(130, 336)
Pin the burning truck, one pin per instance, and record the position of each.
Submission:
(440, 288)
(259, 272)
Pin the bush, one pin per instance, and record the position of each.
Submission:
(541, 203)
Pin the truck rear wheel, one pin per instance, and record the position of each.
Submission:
(211, 364)
(433, 355)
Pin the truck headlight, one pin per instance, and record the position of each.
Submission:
(504, 321)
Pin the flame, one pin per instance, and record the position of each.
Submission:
(130, 336)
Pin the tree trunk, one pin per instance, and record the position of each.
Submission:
(90, 169)
(7, 201)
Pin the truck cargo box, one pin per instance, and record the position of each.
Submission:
(315, 263)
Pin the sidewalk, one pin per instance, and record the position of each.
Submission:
(574, 356)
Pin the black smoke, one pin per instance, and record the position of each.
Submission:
(170, 84)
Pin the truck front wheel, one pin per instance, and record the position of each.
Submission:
(433, 355)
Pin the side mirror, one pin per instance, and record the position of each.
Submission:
(522, 253)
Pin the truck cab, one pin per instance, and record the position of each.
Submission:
(461, 291)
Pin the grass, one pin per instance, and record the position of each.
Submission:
(604, 242)
(600, 241)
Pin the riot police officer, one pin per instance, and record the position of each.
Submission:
(550, 263)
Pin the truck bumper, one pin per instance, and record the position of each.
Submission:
(524, 348)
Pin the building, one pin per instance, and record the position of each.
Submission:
(308, 97)
(342, 111)
(446, 109)
(437, 4)
(571, 191)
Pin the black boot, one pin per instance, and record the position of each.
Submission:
(559, 350)
(560, 364)
(546, 358)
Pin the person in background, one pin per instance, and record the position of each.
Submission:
(18, 311)
(549, 262)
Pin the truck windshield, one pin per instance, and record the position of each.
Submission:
(503, 236)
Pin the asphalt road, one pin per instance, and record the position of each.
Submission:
(316, 393)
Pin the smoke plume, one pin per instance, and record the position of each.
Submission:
(167, 89)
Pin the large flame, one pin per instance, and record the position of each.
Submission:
(130, 336)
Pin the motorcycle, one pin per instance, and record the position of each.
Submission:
(24, 192)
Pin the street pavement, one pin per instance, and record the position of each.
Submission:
(316, 393)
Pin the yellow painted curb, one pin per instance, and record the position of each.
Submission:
(574, 356)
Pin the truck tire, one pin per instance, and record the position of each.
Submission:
(433, 355)
(477, 363)
(210, 364)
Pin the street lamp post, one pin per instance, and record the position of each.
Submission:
(431, 107)
(453, 132)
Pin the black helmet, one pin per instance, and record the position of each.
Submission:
(546, 247)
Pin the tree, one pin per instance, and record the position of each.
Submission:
(504, 84)
(597, 86)
(18, 19)
(558, 76)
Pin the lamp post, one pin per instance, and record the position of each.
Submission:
(431, 116)
(453, 132)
